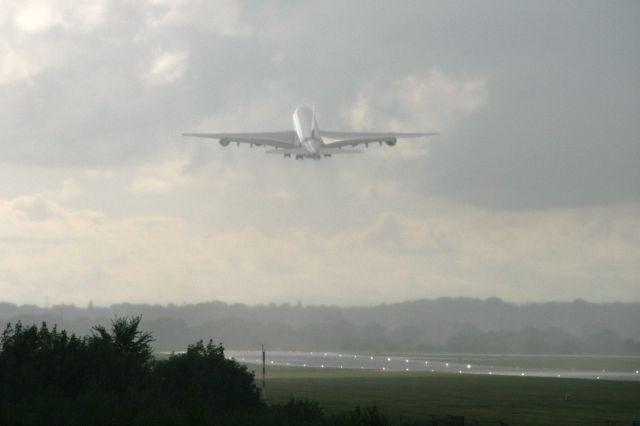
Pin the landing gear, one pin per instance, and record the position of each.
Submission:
(327, 155)
(299, 157)
(287, 155)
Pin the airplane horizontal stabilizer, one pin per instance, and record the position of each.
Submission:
(294, 151)
(334, 151)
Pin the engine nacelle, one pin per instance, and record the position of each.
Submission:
(224, 142)
(391, 141)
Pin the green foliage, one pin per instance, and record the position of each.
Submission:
(40, 360)
(123, 356)
(110, 378)
(368, 416)
(203, 376)
(300, 410)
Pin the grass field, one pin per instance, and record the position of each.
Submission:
(485, 399)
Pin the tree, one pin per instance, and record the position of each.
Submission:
(204, 376)
(124, 355)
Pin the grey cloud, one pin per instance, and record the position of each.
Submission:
(545, 143)
(555, 127)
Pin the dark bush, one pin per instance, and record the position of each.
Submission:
(110, 378)
(203, 376)
(368, 416)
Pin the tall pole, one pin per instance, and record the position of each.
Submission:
(264, 382)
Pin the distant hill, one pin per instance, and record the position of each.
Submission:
(445, 324)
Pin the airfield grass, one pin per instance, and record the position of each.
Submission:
(483, 399)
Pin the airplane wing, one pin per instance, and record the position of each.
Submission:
(287, 139)
(349, 135)
(358, 138)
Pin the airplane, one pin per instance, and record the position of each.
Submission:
(307, 140)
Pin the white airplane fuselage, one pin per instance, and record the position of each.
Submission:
(305, 126)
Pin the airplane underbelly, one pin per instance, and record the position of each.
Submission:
(311, 145)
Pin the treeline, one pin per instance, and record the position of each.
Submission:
(110, 378)
(442, 325)
(343, 336)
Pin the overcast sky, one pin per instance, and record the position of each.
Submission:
(531, 193)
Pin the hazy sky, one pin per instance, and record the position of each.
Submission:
(532, 192)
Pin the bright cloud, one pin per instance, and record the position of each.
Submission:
(37, 16)
(48, 247)
(167, 67)
(220, 17)
(429, 100)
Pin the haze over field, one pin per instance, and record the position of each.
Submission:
(442, 325)
(531, 192)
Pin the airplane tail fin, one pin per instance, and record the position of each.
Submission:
(314, 124)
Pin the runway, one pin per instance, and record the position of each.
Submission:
(394, 363)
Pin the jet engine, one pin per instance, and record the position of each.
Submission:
(391, 141)
(224, 142)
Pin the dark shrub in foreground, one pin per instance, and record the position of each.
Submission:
(35, 361)
(203, 376)
(110, 378)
